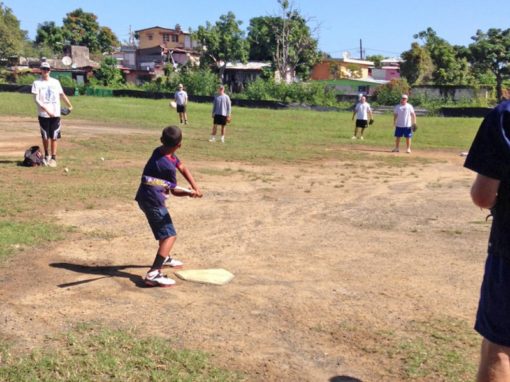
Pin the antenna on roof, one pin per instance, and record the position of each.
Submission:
(131, 37)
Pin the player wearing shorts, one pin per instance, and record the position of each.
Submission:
(47, 92)
(181, 99)
(489, 157)
(404, 118)
(222, 108)
(362, 112)
(163, 164)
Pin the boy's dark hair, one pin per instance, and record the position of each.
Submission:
(171, 136)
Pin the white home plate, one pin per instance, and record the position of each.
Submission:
(216, 276)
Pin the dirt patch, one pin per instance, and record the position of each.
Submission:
(327, 256)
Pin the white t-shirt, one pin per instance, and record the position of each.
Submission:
(403, 113)
(48, 93)
(181, 97)
(362, 110)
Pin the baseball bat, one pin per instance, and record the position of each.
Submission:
(151, 181)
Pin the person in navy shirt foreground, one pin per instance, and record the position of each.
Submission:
(489, 157)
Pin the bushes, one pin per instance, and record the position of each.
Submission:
(200, 83)
(312, 93)
(390, 93)
(26, 79)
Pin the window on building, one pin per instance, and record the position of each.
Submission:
(363, 89)
(149, 36)
(175, 38)
(166, 37)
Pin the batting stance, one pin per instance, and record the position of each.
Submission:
(47, 92)
(489, 157)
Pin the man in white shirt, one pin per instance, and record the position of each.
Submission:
(181, 99)
(47, 92)
(363, 112)
(404, 120)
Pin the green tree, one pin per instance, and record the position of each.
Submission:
(417, 67)
(270, 36)
(296, 49)
(82, 28)
(491, 52)
(376, 58)
(261, 38)
(50, 35)
(450, 67)
(107, 40)
(108, 74)
(13, 40)
(222, 42)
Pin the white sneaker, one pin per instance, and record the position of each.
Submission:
(46, 160)
(156, 278)
(173, 263)
(222, 139)
(52, 163)
(212, 139)
(408, 151)
(395, 150)
(361, 138)
(353, 137)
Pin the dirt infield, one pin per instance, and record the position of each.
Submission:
(337, 264)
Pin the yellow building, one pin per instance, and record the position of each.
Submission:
(163, 37)
(337, 68)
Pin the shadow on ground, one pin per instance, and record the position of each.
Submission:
(103, 271)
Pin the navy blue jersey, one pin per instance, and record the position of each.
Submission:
(159, 166)
(489, 155)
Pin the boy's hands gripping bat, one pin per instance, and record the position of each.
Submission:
(151, 181)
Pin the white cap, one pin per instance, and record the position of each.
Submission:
(404, 96)
(45, 65)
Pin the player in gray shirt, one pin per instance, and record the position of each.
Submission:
(221, 113)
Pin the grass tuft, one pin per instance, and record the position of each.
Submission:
(91, 353)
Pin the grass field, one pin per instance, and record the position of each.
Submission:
(257, 136)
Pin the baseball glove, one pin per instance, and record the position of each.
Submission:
(65, 111)
(371, 122)
(414, 127)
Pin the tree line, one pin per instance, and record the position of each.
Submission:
(286, 39)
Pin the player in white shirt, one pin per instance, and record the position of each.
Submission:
(404, 120)
(363, 112)
(181, 99)
(47, 92)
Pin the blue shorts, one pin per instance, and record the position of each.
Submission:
(493, 316)
(403, 132)
(159, 219)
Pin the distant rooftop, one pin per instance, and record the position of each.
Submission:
(163, 28)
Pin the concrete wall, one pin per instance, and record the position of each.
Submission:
(451, 93)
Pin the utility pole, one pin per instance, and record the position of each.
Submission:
(361, 49)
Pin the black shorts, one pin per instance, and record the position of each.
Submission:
(50, 127)
(181, 108)
(361, 123)
(220, 119)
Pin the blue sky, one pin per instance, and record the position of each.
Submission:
(385, 27)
